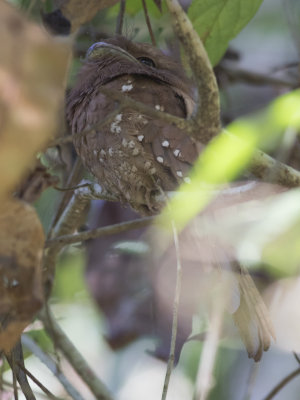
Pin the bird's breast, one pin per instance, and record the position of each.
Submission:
(131, 154)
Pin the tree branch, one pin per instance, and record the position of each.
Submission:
(175, 314)
(100, 232)
(71, 218)
(73, 356)
(255, 78)
(51, 365)
(207, 117)
(268, 169)
(281, 384)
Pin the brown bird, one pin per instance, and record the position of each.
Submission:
(136, 157)
(133, 156)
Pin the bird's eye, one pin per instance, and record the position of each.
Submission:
(147, 61)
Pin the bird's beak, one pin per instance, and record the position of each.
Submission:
(100, 49)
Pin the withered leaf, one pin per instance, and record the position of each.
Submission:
(32, 72)
(21, 248)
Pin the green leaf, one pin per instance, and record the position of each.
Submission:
(221, 161)
(219, 21)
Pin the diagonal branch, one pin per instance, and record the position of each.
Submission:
(70, 219)
(207, 117)
(31, 345)
(100, 232)
(282, 384)
(79, 364)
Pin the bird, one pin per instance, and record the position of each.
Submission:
(136, 157)
(133, 157)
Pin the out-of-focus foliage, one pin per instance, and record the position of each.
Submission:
(219, 21)
(80, 12)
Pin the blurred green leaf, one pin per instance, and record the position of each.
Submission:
(221, 161)
(270, 124)
(69, 281)
(134, 6)
(219, 21)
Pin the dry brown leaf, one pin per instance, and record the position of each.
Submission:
(79, 12)
(21, 249)
(32, 73)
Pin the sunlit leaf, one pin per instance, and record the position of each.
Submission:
(285, 110)
(221, 161)
(219, 21)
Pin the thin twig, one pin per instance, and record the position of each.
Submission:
(16, 397)
(73, 356)
(31, 345)
(100, 232)
(15, 358)
(297, 357)
(209, 350)
(73, 179)
(255, 78)
(148, 22)
(61, 140)
(120, 20)
(38, 383)
(70, 188)
(71, 217)
(175, 314)
(281, 384)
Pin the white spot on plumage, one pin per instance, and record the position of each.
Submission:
(114, 126)
(127, 88)
(102, 153)
(187, 179)
(176, 152)
(165, 143)
(101, 160)
(179, 173)
(131, 144)
(140, 138)
(124, 142)
(160, 159)
(110, 151)
(95, 152)
(157, 107)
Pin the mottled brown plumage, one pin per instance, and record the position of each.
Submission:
(134, 156)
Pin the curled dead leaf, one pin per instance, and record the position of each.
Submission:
(32, 73)
(21, 249)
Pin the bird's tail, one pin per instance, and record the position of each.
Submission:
(252, 318)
